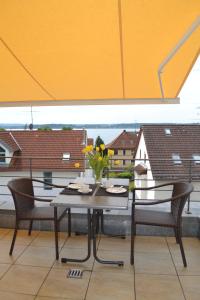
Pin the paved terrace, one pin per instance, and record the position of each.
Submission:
(32, 272)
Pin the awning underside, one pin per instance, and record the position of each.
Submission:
(94, 49)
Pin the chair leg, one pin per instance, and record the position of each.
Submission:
(30, 227)
(179, 236)
(14, 238)
(69, 222)
(176, 236)
(56, 232)
(133, 234)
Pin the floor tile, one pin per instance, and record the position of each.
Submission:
(111, 286)
(162, 287)
(22, 237)
(51, 298)
(193, 261)
(47, 239)
(15, 296)
(150, 243)
(114, 255)
(4, 252)
(154, 263)
(191, 287)
(3, 232)
(114, 243)
(76, 241)
(37, 256)
(189, 243)
(74, 253)
(23, 279)
(58, 285)
(3, 269)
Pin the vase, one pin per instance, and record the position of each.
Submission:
(98, 176)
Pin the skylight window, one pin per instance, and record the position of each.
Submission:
(168, 131)
(196, 158)
(176, 158)
(66, 156)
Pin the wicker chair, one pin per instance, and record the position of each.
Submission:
(173, 219)
(23, 195)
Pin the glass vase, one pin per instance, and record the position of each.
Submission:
(98, 176)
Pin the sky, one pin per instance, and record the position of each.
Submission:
(188, 111)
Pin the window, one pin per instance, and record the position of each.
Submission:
(124, 162)
(196, 158)
(176, 159)
(115, 151)
(124, 152)
(47, 179)
(66, 156)
(2, 155)
(168, 131)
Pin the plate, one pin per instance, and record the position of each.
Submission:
(74, 186)
(84, 191)
(116, 190)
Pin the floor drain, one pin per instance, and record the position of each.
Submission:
(75, 273)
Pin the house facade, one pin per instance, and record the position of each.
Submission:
(170, 152)
(46, 155)
(124, 147)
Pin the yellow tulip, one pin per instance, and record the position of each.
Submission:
(110, 152)
(97, 149)
(90, 148)
(100, 158)
(102, 146)
(117, 162)
(84, 150)
(77, 165)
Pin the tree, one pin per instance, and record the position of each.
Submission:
(67, 128)
(45, 128)
(99, 142)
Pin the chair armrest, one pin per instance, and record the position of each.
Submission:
(153, 202)
(154, 187)
(33, 197)
(50, 184)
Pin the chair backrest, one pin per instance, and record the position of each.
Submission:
(23, 185)
(181, 190)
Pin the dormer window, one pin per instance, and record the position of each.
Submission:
(2, 155)
(176, 159)
(66, 156)
(168, 131)
(196, 158)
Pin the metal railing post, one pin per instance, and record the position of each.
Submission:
(190, 180)
(30, 166)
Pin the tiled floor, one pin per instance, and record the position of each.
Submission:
(32, 272)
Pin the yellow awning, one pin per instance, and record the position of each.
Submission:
(96, 51)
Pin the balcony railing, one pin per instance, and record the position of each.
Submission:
(63, 171)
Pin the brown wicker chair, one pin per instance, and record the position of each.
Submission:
(23, 195)
(173, 219)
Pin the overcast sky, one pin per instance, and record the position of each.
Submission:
(187, 111)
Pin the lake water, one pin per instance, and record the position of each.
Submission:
(107, 135)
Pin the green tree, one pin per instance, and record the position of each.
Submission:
(98, 142)
(2, 129)
(67, 128)
(45, 128)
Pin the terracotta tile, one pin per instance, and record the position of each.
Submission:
(189, 243)
(191, 287)
(74, 253)
(22, 237)
(154, 263)
(76, 241)
(114, 255)
(3, 269)
(50, 298)
(193, 262)
(114, 243)
(37, 256)
(47, 239)
(3, 232)
(58, 285)
(4, 252)
(162, 287)
(109, 285)
(14, 296)
(150, 243)
(23, 279)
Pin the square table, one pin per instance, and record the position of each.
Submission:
(94, 204)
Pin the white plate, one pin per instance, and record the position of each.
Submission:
(74, 186)
(84, 191)
(116, 190)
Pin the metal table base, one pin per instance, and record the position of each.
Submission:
(92, 231)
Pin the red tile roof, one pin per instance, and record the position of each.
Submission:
(183, 140)
(47, 145)
(126, 140)
(8, 140)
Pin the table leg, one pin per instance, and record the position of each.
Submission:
(65, 260)
(95, 215)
